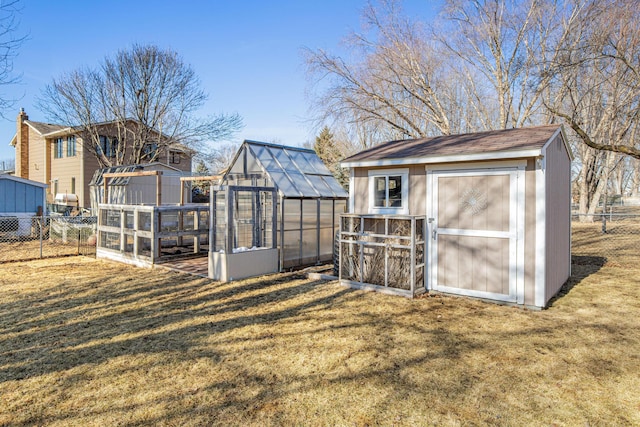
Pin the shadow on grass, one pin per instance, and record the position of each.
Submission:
(73, 324)
(582, 266)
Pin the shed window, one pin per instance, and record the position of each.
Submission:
(389, 191)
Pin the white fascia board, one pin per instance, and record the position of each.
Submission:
(442, 159)
(540, 287)
(565, 141)
(59, 132)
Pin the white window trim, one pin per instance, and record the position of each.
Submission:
(404, 174)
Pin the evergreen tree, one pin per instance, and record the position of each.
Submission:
(326, 148)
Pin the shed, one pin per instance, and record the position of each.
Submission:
(496, 204)
(308, 201)
(20, 200)
(136, 190)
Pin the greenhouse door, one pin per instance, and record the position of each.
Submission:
(476, 220)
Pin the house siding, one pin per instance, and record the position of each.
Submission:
(558, 217)
(89, 166)
(37, 155)
(35, 160)
(65, 168)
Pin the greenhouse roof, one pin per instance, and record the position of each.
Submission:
(296, 172)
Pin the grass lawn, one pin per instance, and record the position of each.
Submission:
(87, 342)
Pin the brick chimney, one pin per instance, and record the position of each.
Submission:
(22, 145)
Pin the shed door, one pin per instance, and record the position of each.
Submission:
(474, 222)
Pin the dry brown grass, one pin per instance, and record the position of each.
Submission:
(86, 342)
(30, 249)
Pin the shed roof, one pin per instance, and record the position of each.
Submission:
(494, 144)
(98, 175)
(22, 180)
(296, 172)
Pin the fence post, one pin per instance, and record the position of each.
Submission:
(604, 224)
(41, 223)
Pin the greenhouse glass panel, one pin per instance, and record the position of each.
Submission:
(265, 158)
(303, 185)
(283, 159)
(301, 161)
(284, 184)
(252, 165)
(321, 186)
(309, 246)
(238, 166)
(291, 247)
(291, 214)
(326, 243)
(309, 214)
(336, 187)
(326, 213)
(317, 164)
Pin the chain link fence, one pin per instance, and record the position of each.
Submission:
(614, 236)
(35, 237)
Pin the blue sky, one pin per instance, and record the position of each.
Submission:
(247, 54)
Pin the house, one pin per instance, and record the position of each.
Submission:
(20, 200)
(55, 155)
(496, 204)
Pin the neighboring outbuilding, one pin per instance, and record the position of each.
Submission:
(20, 200)
(495, 207)
(137, 190)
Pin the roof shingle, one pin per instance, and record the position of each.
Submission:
(494, 141)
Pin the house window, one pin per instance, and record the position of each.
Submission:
(71, 146)
(389, 191)
(57, 148)
(108, 146)
(174, 157)
(150, 151)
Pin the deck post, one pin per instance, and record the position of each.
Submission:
(413, 255)
(196, 227)
(136, 226)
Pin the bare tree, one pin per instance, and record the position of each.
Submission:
(482, 66)
(596, 91)
(397, 81)
(9, 44)
(149, 98)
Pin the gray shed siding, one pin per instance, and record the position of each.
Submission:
(20, 197)
(558, 217)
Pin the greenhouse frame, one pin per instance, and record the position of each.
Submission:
(308, 203)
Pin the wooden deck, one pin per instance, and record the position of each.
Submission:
(198, 266)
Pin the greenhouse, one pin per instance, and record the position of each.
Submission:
(307, 199)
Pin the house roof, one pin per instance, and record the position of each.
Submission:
(50, 130)
(41, 128)
(296, 172)
(44, 128)
(489, 145)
